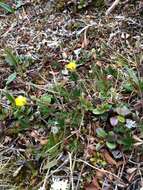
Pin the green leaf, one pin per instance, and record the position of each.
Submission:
(6, 7)
(121, 118)
(45, 99)
(73, 77)
(133, 75)
(127, 87)
(111, 145)
(101, 109)
(123, 111)
(97, 111)
(11, 78)
(11, 58)
(127, 142)
(101, 133)
(85, 103)
(98, 146)
(10, 98)
(24, 123)
(44, 103)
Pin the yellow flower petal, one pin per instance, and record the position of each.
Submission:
(20, 101)
(71, 66)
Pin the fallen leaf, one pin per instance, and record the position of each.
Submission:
(100, 174)
(94, 185)
(91, 187)
(138, 106)
(108, 158)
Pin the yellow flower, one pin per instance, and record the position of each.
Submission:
(71, 66)
(20, 101)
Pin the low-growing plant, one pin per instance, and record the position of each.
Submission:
(6, 7)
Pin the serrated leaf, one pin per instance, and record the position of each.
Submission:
(6, 7)
(101, 133)
(11, 78)
(111, 145)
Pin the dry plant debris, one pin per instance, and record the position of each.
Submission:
(71, 95)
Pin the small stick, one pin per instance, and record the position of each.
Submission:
(102, 170)
(112, 7)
